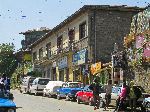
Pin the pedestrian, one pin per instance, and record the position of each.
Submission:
(108, 90)
(95, 87)
(132, 97)
(121, 98)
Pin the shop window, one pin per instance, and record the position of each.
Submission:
(48, 50)
(71, 35)
(82, 30)
(40, 53)
(59, 44)
(34, 56)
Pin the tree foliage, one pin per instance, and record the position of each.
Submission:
(8, 62)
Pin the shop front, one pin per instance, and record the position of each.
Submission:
(80, 69)
(63, 69)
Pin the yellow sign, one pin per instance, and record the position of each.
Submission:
(95, 68)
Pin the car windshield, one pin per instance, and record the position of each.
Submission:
(43, 81)
(74, 85)
(31, 80)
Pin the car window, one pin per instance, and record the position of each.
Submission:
(85, 88)
(34, 82)
(64, 85)
(31, 80)
(74, 85)
(43, 81)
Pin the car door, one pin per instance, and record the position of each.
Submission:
(34, 86)
(87, 95)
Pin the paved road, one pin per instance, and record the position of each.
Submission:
(31, 103)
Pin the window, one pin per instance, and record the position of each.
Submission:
(43, 81)
(40, 53)
(82, 30)
(59, 43)
(71, 35)
(34, 56)
(48, 49)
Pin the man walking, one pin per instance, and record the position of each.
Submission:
(108, 89)
(96, 90)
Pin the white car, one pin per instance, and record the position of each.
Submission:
(114, 96)
(38, 85)
(51, 88)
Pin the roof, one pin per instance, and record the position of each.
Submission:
(36, 30)
(87, 8)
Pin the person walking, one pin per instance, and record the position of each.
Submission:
(132, 97)
(121, 98)
(95, 87)
(108, 90)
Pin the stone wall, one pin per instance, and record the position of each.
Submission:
(107, 27)
(142, 78)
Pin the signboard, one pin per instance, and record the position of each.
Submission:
(139, 42)
(146, 52)
(95, 68)
(62, 62)
(80, 57)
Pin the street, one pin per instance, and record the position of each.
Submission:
(31, 103)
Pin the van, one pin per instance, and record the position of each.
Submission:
(38, 85)
(51, 88)
(26, 82)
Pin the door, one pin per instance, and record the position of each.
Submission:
(34, 86)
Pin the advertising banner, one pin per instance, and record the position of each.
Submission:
(80, 57)
(95, 68)
(62, 62)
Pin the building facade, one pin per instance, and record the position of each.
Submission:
(86, 37)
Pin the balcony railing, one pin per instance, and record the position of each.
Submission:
(75, 46)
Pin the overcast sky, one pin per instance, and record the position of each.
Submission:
(21, 15)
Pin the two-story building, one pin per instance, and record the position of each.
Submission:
(86, 37)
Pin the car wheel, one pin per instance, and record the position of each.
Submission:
(49, 95)
(58, 97)
(102, 104)
(90, 102)
(78, 100)
(35, 93)
(44, 95)
(67, 98)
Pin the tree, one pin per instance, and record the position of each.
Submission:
(8, 62)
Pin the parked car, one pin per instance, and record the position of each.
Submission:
(51, 88)
(146, 104)
(68, 90)
(6, 102)
(38, 85)
(116, 90)
(26, 82)
(85, 95)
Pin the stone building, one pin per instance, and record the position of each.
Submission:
(33, 35)
(86, 37)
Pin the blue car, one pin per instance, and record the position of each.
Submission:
(68, 90)
(6, 102)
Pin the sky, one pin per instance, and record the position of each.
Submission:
(21, 15)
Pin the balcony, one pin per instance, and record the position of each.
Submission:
(81, 44)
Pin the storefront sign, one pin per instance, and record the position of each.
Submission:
(80, 57)
(62, 62)
(95, 68)
(139, 44)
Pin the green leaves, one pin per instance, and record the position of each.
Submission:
(8, 62)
